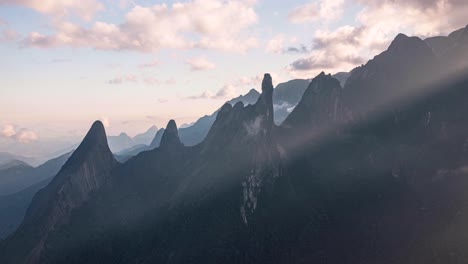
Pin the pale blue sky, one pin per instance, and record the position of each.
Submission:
(59, 88)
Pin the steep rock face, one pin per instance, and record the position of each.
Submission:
(170, 138)
(342, 77)
(290, 92)
(318, 115)
(246, 135)
(392, 77)
(388, 189)
(320, 106)
(286, 96)
(227, 181)
(456, 57)
(85, 171)
(238, 123)
(398, 172)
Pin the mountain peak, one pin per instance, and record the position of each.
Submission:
(87, 169)
(94, 141)
(252, 90)
(403, 43)
(265, 102)
(321, 75)
(170, 138)
(248, 98)
(267, 84)
(319, 106)
(459, 34)
(152, 128)
(401, 36)
(96, 136)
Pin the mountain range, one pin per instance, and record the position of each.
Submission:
(19, 182)
(285, 97)
(124, 141)
(374, 171)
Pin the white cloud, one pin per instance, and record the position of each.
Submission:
(333, 51)
(8, 131)
(235, 87)
(200, 64)
(323, 10)
(227, 91)
(26, 136)
(205, 24)
(85, 9)
(22, 135)
(379, 22)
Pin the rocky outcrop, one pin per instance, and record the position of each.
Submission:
(392, 77)
(320, 106)
(386, 189)
(170, 139)
(87, 169)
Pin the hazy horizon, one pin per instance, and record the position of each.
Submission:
(134, 64)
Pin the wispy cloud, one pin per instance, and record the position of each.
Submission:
(85, 9)
(322, 11)
(379, 22)
(200, 64)
(123, 79)
(234, 87)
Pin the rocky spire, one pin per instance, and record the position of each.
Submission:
(234, 123)
(265, 102)
(85, 171)
(170, 139)
(95, 140)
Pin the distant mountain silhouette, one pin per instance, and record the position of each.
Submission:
(120, 142)
(20, 176)
(6, 157)
(123, 143)
(285, 98)
(22, 186)
(13, 163)
(13, 207)
(86, 171)
(374, 172)
(146, 137)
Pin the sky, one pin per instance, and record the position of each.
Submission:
(137, 63)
